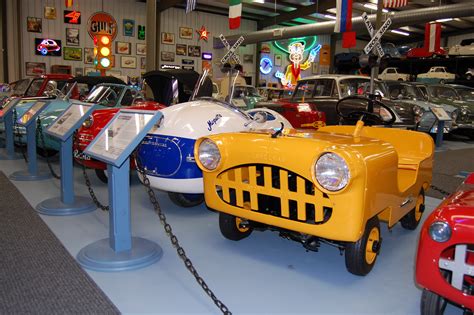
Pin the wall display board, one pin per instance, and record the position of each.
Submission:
(6, 116)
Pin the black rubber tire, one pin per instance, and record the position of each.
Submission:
(410, 221)
(186, 200)
(46, 152)
(229, 229)
(442, 81)
(469, 77)
(355, 254)
(102, 175)
(432, 303)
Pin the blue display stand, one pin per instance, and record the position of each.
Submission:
(63, 129)
(441, 117)
(439, 134)
(28, 120)
(120, 251)
(7, 119)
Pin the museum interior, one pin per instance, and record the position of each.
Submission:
(237, 156)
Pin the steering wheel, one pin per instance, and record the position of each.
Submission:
(367, 117)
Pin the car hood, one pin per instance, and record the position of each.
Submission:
(427, 105)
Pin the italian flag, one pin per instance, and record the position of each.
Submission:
(235, 12)
(69, 3)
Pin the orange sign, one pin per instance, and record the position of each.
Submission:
(325, 55)
(102, 23)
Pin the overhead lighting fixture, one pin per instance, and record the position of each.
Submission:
(259, 1)
(329, 16)
(400, 32)
(374, 7)
(444, 20)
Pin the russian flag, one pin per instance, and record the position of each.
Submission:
(343, 16)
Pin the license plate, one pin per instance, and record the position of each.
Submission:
(81, 156)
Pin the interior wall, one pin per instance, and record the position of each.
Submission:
(172, 19)
(56, 29)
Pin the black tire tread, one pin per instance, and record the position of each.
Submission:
(229, 229)
(409, 220)
(180, 199)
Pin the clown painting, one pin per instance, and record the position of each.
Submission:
(293, 70)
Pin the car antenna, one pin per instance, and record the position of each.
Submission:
(279, 131)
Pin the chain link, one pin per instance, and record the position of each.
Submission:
(91, 191)
(440, 190)
(174, 240)
(17, 133)
(39, 132)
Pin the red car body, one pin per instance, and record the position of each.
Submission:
(100, 118)
(424, 53)
(63, 78)
(454, 256)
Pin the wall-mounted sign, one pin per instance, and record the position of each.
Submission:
(266, 65)
(141, 32)
(102, 23)
(175, 67)
(188, 67)
(72, 17)
(206, 56)
(203, 33)
(325, 55)
(187, 61)
(48, 47)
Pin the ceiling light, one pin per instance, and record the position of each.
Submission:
(444, 20)
(400, 32)
(374, 7)
(259, 1)
(329, 16)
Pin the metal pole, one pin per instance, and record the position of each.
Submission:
(374, 72)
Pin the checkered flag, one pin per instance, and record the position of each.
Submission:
(190, 5)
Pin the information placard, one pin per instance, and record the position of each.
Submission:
(8, 107)
(440, 114)
(70, 120)
(31, 114)
(123, 133)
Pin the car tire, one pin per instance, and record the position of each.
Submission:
(361, 256)
(411, 220)
(442, 81)
(186, 200)
(469, 76)
(400, 79)
(102, 175)
(46, 153)
(432, 303)
(231, 229)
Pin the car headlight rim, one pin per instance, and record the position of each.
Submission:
(331, 172)
(208, 155)
(88, 122)
(440, 231)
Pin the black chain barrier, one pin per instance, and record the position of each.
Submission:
(174, 241)
(440, 190)
(39, 133)
(91, 191)
(17, 133)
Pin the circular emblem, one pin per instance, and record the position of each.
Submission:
(266, 65)
(102, 23)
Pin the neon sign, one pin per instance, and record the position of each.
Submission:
(293, 71)
(309, 42)
(266, 65)
(72, 17)
(206, 56)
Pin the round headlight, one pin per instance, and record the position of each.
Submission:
(208, 154)
(440, 231)
(332, 172)
(417, 110)
(88, 122)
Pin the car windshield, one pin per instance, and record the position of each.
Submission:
(245, 91)
(466, 94)
(34, 87)
(405, 91)
(314, 88)
(104, 95)
(357, 86)
(443, 92)
(19, 87)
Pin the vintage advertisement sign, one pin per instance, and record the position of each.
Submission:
(102, 23)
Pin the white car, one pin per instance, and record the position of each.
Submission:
(466, 47)
(392, 74)
(436, 75)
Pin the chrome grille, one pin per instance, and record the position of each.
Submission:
(274, 191)
(459, 265)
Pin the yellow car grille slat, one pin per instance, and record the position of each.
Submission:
(274, 191)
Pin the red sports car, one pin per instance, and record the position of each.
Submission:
(445, 261)
(425, 53)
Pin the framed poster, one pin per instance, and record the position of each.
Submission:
(206, 64)
(194, 51)
(50, 13)
(35, 68)
(248, 58)
(167, 38)
(92, 71)
(72, 17)
(118, 139)
(34, 24)
(277, 60)
(265, 48)
(187, 61)
(123, 48)
(72, 53)
(128, 27)
(181, 49)
(142, 62)
(187, 67)
(89, 55)
(72, 36)
(69, 120)
(78, 72)
(141, 49)
(128, 62)
(185, 32)
(167, 56)
(48, 47)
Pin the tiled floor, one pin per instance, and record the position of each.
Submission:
(263, 274)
